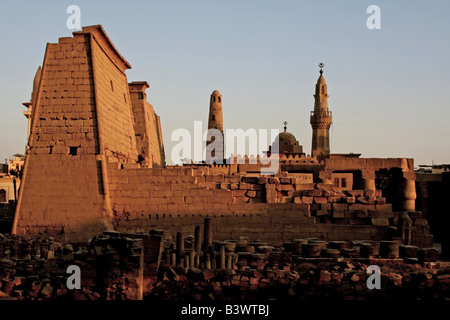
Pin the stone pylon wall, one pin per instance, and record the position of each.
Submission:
(83, 116)
(147, 127)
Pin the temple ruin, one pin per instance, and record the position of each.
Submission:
(95, 161)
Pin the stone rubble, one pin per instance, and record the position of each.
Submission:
(118, 266)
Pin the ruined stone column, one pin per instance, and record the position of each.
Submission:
(180, 246)
(422, 197)
(167, 256)
(368, 180)
(389, 249)
(197, 260)
(407, 191)
(404, 227)
(222, 256)
(207, 261)
(212, 255)
(197, 239)
(173, 257)
(207, 241)
(230, 257)
(192, 257)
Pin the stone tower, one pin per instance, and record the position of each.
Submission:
(321, 119)
(84, 116)
(215, 121)
(147, 127)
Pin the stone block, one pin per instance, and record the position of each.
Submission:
(304, 186)
(349, 200)
(244, 186)
(370, 193)
(340, 221)
(263, 179)
(338, 214)
(420, 222)
(240, 199)
(285, 199)
(298, 200)
(373, 214)
(251, 193)
(362, 200)
(357, 221)
(355, 193)
(349, 214)
(386, 214)
(428, 255)
(325, 206)
(360, 206)
(322, 213)
(320, 200)
(383, 207)
(408, 251)
(325, 276)
(308, 200)
(285, 187)
(332, 199)
(340, 206)
(381, 222)
(362, 214)
(252, 180)
(389, 249)
(422, 240)
(285, 180)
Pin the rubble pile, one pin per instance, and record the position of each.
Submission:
(119, 266)
(300, 269)
(36, 269)
(345, 280)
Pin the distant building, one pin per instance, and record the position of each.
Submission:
(434, 168)
(7, 176)
(16, 163)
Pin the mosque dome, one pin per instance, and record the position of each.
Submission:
(287, 143)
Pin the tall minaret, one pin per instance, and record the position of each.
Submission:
(215, 121)
(321, 119)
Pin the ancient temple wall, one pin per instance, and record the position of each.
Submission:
(62, 185)
(113, 104)
(269, 208)
(147, 127)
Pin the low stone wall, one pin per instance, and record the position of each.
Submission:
(274, 209)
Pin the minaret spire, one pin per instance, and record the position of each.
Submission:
(321, 119)
(215, 122)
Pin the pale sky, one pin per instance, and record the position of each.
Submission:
(388, 88)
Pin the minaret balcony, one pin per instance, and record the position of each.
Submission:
(321, 116)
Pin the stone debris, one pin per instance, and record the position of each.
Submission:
(119, 266)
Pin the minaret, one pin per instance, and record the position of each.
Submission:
(215, 121)
(321, 119)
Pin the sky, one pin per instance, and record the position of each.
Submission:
(388, 87)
